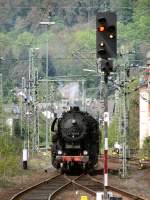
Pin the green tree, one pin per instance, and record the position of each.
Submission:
(146, 147)
(25, 38)
(5, 43)
(112, 134)
(142, 19)
(125, 10)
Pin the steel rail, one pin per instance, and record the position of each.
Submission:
(72, 183)
(52, 196)
(85, 182)
(56, 193)
(117, 190)
(34, 187)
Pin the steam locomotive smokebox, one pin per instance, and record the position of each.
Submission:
(75, 140)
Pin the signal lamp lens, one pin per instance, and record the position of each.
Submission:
(101, 28)
(101, 44)
(102, 51)
(111, 36)
(59, 152)
(85, 153)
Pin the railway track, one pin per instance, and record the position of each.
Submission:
(134, 163)
(43, 190)
(67, 187)
(140, 164)
(96, 184)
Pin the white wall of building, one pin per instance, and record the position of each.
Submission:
(144, 114)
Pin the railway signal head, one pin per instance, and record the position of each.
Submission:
(106, 40)
(106, 66)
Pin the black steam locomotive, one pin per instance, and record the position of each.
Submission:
(75, 141)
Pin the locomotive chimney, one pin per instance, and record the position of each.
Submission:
(75, 108)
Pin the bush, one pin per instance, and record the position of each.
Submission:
(146, 147)
(10, 155)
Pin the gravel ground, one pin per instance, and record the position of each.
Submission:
(37, 171)
(74, 194)
(138, 182)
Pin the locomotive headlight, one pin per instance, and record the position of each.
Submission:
(59, 152)
(85, 153)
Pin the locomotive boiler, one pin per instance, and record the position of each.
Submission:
(75, 141)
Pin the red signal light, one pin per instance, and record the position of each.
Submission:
(101, 28)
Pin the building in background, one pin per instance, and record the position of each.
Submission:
(144, 99)
(144, 113)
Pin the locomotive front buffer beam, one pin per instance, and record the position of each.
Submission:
(83, 159)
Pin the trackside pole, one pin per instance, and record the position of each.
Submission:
(106, 118)
(106, 49)
(25, 159)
